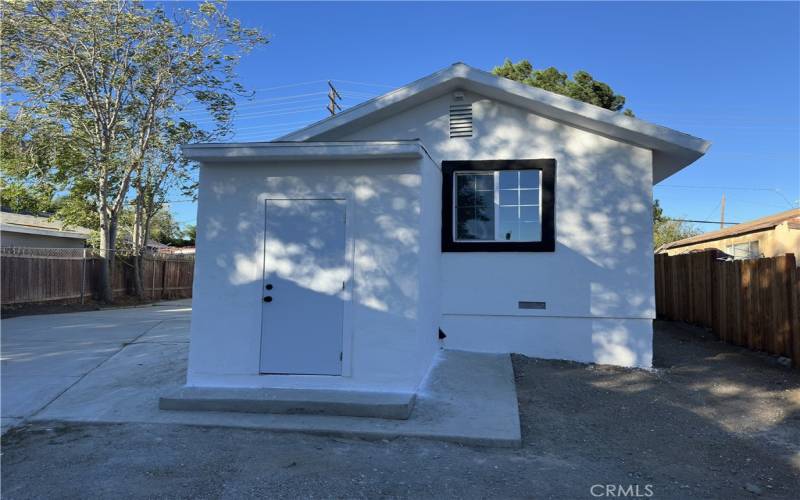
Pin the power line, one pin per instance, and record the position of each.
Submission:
(282, 98)
(701, 221)
(263, 133)
(366, 83)
(258, 109)
(288, 86)
(276, 112)
(716, 187)
(737, 188)
(274, 125)
(260, 136)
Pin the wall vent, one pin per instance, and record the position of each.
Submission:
(532, 305)
(460, 120)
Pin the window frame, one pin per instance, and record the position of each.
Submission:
(547, 180)
(731, 249)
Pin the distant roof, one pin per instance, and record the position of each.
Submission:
(673, 150)
(761, 224)
(32, 224)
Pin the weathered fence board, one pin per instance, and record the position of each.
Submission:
(28, 278)
(752, 303)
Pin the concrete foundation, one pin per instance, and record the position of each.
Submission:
(291, 401)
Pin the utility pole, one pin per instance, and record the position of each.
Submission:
(333, 95)
(722, 213)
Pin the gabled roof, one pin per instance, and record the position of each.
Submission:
(762, 224)
(673, 150)
(32, 224)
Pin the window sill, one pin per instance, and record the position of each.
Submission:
(499, 246)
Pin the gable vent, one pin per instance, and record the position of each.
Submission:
(460, 120)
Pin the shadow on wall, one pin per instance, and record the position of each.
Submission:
(602, 202)
(603, 199)
(385, 217)
(603, 264)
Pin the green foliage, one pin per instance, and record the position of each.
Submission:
(17, 196)
(182, 238)
(582, 86)
(96, 94)
(189, 235)
(94, 90)
(666, 230)
(163, 227)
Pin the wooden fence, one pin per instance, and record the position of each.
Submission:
(73, 275)
(751, 303)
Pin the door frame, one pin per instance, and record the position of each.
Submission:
(347, 301)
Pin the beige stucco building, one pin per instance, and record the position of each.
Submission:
(769, 236)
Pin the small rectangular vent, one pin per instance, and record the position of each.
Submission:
(532, 305)
(460, 120)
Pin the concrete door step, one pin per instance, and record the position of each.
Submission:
(388, 405)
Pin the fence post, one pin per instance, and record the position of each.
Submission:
(83, 274)
(163, 277)
(793, 302)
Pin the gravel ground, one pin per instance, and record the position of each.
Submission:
(713, 421)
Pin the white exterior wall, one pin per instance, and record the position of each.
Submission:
(598, 284)
(392, 318)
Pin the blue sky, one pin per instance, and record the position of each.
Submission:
(726, 72)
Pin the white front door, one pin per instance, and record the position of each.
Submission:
(305, 273)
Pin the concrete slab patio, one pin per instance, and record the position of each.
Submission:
(119, 378)
(44, 355)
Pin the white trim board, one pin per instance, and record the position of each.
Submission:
(13, 228)
(297, 151)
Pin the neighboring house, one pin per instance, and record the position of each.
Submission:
(177, 250)
(22, 230)
(463, 211)
(769, 236)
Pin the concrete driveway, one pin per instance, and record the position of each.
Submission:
(43, 356)
(712, 421)
(112, 366)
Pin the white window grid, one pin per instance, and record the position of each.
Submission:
(498, 235)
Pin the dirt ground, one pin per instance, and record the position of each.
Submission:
(712, 421)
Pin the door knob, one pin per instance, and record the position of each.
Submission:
(269, 286)
(267, 299)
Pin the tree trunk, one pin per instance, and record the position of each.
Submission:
(138, 249)
(106, 250)
(138, 276)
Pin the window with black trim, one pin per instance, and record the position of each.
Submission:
(498, 206)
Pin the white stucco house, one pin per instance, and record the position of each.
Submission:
(462, 211)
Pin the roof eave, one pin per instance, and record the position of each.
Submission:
(675, 149)
(297, 151)
(39, 231)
